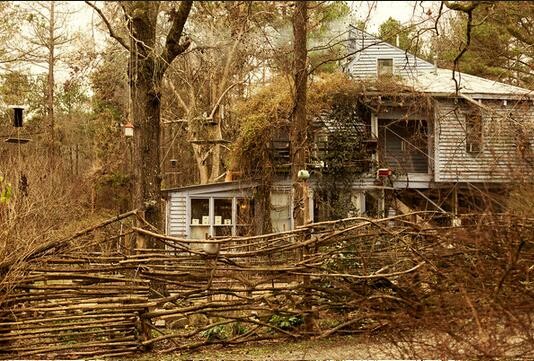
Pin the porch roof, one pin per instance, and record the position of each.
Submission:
(440, 82)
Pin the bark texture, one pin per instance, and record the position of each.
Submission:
(51, 44)
(299, 125)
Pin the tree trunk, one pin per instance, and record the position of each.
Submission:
(145, 83)
(299, 125)
(216, 153)
(146, 70)
(145, 117)
(203, 170)
(50, 82)
(298, 138)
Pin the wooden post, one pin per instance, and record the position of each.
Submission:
(374, 134)
(455, 222)
(306, 201)
(306, 281)
(144, 330)
(141, 239)
(381, 203)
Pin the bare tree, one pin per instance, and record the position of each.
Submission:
(43, 47)
(149, 61)
(210, 76)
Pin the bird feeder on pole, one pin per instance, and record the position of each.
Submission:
(18, 115)
(18, 120)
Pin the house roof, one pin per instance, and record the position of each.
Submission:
(440, 82)
(420, 74)
(366, 49)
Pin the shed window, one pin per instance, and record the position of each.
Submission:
(384, 67)
(220, 217)
(200, 211)
(223, 217)
(473, 131)
(200, 218)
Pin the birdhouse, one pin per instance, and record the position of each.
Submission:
(384, 172)
(128, 130)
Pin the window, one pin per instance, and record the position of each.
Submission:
(223, 217)
(384, 67)
(473, 131)
(280, 211)
(220, 217)
(200, 218)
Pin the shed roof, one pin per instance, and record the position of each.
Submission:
(221, 186)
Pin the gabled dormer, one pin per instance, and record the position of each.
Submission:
(374, 57)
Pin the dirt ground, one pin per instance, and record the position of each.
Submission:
(333, 348)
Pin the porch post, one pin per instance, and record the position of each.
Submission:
(374, 134)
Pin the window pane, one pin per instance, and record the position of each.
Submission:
(280, 216)
(200, 211)
(223, 211)
(385, 67)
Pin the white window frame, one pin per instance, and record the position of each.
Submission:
(211, 213)
(392, 66)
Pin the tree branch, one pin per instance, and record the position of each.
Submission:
(112, 32)
(212, 114)
(173, 47)
(519, 35)
(467, 8)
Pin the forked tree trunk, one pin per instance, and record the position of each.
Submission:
(146, 70)
(144, 82)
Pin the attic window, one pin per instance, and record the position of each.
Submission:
(384, 67)
(473, 131)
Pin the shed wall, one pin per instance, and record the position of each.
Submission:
(177, 215)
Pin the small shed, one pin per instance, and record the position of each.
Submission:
(223, 209)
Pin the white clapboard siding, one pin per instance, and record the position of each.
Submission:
(499, 159)
(368, 49)
(177, 214)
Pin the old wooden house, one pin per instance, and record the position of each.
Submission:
(438, 143)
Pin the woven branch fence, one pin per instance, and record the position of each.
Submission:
(94, 294)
